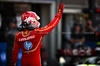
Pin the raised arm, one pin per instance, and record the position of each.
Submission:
(15, 53)
(45, 30)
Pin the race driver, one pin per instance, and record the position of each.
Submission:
(30, 36)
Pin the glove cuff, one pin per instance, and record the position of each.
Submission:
(58, 15)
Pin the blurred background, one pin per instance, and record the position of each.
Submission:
(74, 41)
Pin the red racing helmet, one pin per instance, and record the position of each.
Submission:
(30, 16)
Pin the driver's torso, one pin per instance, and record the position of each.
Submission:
(29, 41)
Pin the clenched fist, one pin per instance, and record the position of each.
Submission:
(61, 8)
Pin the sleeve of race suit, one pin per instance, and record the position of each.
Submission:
(15, 52)
(45, 30)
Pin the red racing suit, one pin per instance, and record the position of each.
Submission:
(29, 41)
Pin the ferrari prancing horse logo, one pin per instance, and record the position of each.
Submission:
(26, 32)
